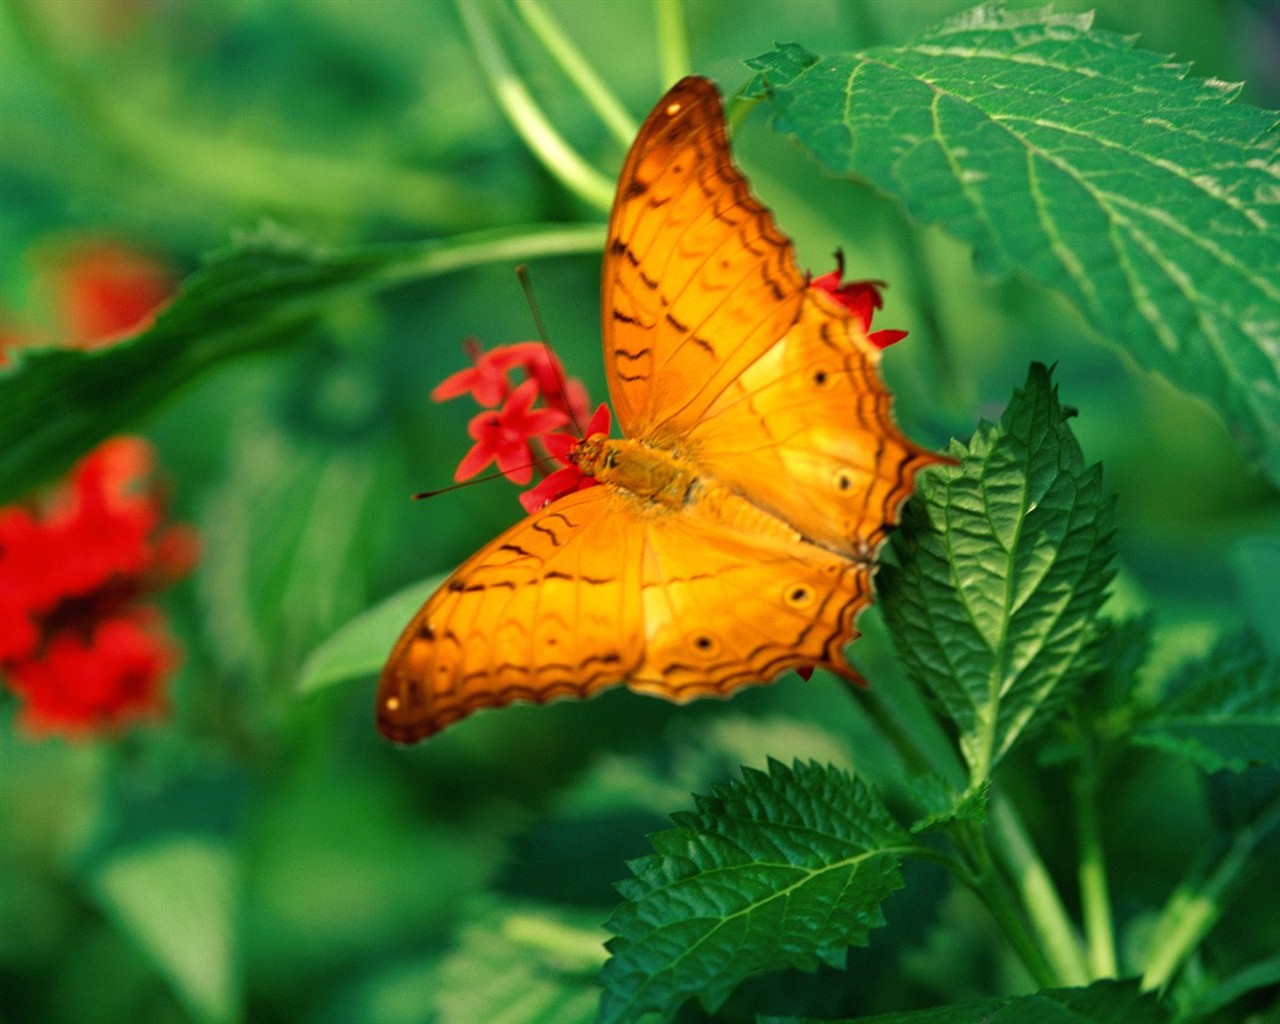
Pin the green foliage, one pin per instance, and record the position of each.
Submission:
(1051, 696)
(1222, 711)
(176, 897)
(360, 647)
(785, 868)
(1100, 170)
(260, 294)
(1004, 562)
(1104, 1002)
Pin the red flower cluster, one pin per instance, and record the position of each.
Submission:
(79, 643)
(506, 434)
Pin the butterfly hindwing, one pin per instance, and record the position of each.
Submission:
(550, 608)
(806, 433)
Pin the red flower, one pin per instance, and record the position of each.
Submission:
(487, 381)
(107, 292)
(860, 298)
(110, 674)
(569, 478)
(78, 643)
(504, 436)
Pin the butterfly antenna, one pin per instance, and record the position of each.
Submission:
(522, 272)
(421, 495)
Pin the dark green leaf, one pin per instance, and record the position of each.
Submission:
(1223, 711)
(1148, 199)
(1003, 561)
(784, 869)
(1104, 1002)
(263, 293)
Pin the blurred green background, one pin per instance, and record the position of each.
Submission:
(263, 857)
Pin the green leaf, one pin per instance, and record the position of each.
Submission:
(1146, 198)
(1223, 711)
(360, 648)
(263, 293)
(784, 869)
(1256, 563)
(177, 897)
(540, 960)
(1104, 1002)
(1002, 565)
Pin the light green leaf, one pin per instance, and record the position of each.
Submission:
(784, 869)
(359, 649)
(1104, 1002)
(176, 897)
(1223, 711)
(1149, 199)
(526, 965)
(1002, 565)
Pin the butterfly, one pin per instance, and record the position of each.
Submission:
(734, 532)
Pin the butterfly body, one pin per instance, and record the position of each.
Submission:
(733, 531)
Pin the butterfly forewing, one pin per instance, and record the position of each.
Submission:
(698, 281)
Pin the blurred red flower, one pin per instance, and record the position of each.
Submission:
(80, 644)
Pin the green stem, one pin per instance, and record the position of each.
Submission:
(1053, 927)
(673, 41)
(987, 883)
(427, 259)
(1192, 913)
(546, 144)
(1095, 895)
(593, 89)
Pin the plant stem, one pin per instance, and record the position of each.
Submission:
(991, 888)
(593, 89)
(1191, 914)
(1095, 896)
(530, 123)
(673, 41)
(1056, 933)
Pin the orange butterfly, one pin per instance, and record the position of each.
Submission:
(736, 527)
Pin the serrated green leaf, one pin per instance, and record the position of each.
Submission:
(942, 806)
(263, 293)
(1104, 1002)
(1002, 565)
(1150, 200)
(360, 648)
(782, 869)
(1222, 712)
(176, 898)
